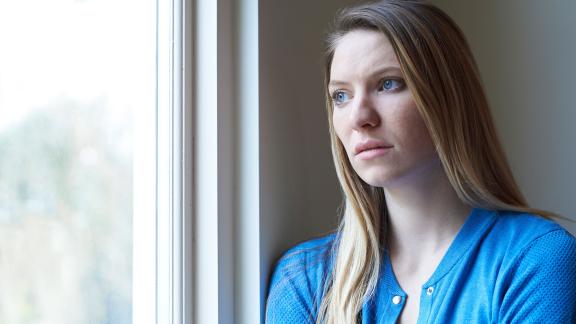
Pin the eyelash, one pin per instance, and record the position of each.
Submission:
(398, 88)
(401, 86)
(334, 96)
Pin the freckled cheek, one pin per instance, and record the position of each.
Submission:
(417, 133)
(340, 128)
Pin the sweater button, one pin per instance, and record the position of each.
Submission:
(430, 291)
(396, 300)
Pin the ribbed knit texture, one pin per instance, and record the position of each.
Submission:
(501, 268)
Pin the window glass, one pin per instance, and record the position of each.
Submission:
(74, 75)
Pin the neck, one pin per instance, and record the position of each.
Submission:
(424, 214)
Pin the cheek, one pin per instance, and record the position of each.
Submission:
(416, 132)
(339, 128)
(343, 132)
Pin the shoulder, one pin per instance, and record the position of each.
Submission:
(530, 240)
(305, 261)
(537, 242)
(297, 282)
(524, 224)
(515, 232)
(539, 275)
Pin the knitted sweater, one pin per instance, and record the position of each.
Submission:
(502, 267)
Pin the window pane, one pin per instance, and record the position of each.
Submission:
(74, 77)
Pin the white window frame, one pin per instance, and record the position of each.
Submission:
(163, 211)
(175, 153)
(206, 262)
(227, 268)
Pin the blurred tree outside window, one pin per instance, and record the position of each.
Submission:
(74, 75)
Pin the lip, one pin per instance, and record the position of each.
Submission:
(371, 148)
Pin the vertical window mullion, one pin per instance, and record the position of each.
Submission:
(174, 214)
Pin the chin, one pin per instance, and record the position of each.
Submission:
(378, 179)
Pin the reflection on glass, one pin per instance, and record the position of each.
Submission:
(73, 74)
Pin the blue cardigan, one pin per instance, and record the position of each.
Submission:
(502, 267)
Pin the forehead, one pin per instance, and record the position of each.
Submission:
(358, 53)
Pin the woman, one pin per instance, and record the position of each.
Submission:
(435, 229)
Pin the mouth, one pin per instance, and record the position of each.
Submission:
(371, 148)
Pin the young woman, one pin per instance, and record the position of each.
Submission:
(435, 230)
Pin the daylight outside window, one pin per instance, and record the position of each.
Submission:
(80, 131)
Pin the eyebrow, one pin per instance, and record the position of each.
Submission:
(387, 69)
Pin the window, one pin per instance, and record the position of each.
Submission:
(94, 162)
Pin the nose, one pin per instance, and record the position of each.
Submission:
(364, 114)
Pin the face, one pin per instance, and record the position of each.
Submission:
(375, 116)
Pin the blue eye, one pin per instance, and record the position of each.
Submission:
(339, 97)
(392, 84)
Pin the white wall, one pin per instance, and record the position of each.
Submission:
(526, 50)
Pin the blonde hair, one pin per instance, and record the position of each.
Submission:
(441, 73)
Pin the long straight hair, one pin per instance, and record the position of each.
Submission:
(439, 69)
